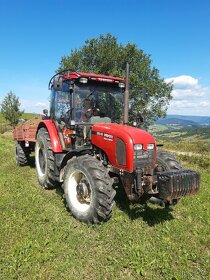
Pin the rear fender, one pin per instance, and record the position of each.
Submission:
(51, 128)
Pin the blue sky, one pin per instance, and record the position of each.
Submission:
(36, 34)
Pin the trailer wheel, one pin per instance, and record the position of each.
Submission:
(44, 159)
(22, 154)
(88, 190)
(167, 161)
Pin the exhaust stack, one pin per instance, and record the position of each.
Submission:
(126, 95)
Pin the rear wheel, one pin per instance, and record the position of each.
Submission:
(167, 161)
(88, 190)
(22, 154)
(44, 159)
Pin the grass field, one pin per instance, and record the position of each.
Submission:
(177, 133)
(40, 240)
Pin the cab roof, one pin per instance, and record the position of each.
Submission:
(92, 76)
(70, 74)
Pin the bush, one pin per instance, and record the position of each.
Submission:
(4, 128)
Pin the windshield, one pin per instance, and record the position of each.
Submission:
(98, 99)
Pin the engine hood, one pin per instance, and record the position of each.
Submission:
(117, 142)
(127, 133)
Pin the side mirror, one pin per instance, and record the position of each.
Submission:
(140, 118)
(45, 113)
(58, 83)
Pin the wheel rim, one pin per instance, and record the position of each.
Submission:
(40, 159)
(79, 191)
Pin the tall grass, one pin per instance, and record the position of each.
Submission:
(4, 128)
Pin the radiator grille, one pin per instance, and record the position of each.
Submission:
(144, 159)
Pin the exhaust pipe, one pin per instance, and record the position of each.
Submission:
(126, 95)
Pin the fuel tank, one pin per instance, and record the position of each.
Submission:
(118, 141)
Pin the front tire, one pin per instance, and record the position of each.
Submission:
(88, 190)
(167, 161)
(44, 159)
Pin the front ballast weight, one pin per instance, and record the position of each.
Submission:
(164, 189)
(173, 185)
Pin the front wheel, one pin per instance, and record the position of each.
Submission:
(167, 161)
(88, 190)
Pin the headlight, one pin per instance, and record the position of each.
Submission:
(150, 146)
(121, 85)
(138, 147)
(83, 80)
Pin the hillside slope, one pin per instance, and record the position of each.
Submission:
(185, 120)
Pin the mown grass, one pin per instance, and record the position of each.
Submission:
(40, 240)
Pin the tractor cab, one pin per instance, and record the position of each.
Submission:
(78, 100)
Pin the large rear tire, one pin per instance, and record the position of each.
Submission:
(167, 161)
(44, 159)
(22, 154)
(88, 190)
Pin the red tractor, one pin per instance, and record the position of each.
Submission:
(86, 145)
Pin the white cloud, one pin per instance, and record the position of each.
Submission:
(205, 104)
(187, 104)
(40, 104)
(183, 81)
(189, 96)
(34, 105)
(187, 86)
(191, 92)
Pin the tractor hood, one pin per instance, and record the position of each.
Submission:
(126, 133)
(118, 141)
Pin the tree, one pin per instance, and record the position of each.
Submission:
(105, 56)
(10, 108)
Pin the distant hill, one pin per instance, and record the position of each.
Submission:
(184, 120)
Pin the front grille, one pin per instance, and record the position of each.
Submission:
(173, 185)
(144, 159)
